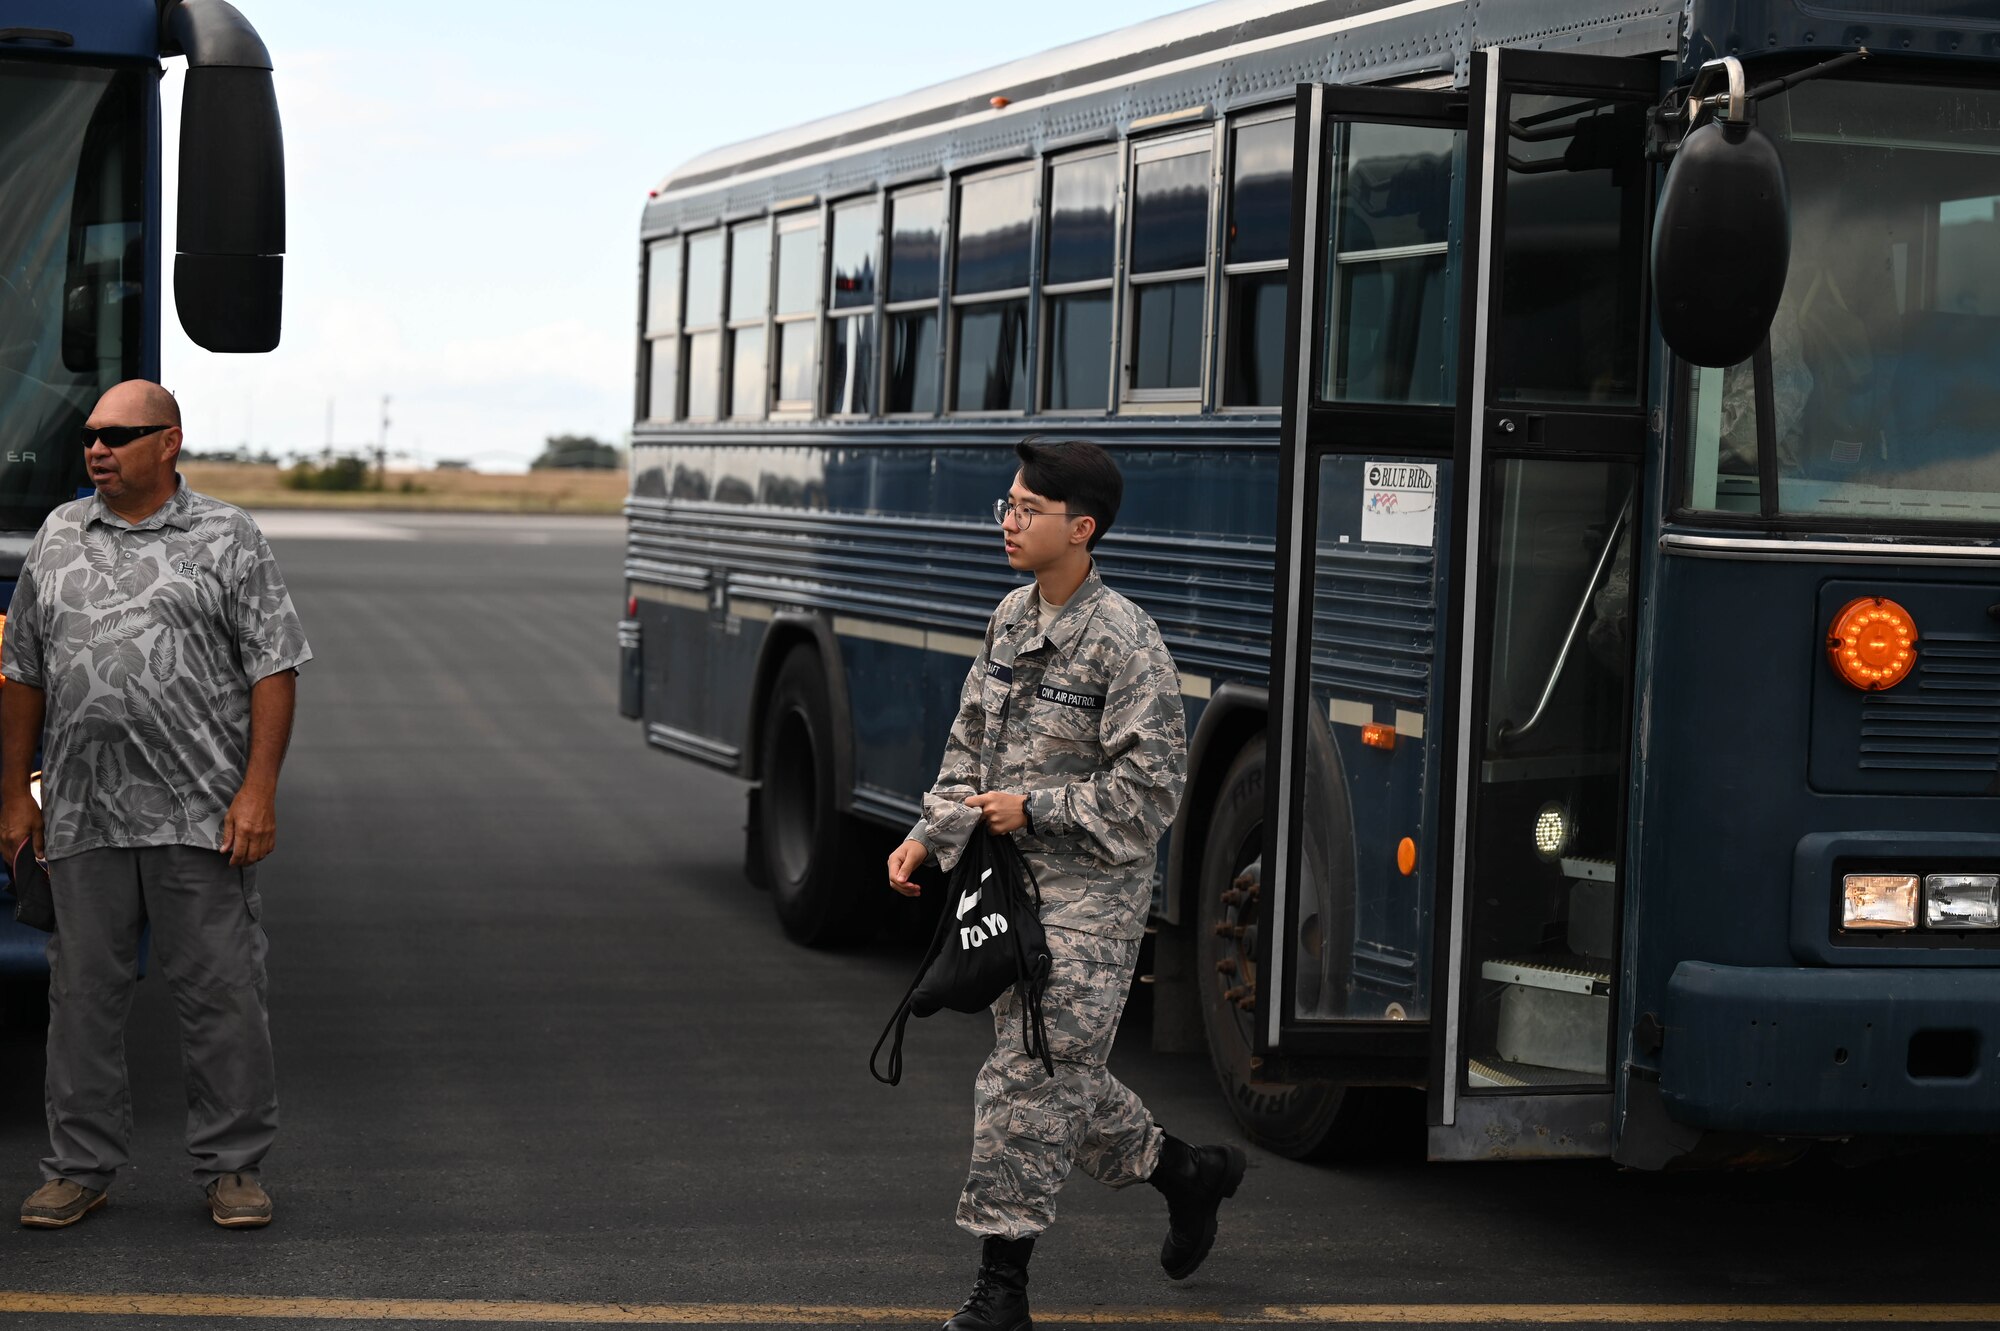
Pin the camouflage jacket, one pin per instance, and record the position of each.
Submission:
(1087, 723)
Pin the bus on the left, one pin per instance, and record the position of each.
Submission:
(81, 272)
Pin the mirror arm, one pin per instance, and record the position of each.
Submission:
(1734, 103)
(1776, 86)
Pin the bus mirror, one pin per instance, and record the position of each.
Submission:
(229, 275)
(1722, 240)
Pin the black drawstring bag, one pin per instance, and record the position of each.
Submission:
(989, 940)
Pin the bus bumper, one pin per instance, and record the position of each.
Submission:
(1832, 1052)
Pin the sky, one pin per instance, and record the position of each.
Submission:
(465, 182)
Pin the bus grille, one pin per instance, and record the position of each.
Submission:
(1950, 722)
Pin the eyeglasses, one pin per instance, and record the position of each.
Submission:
(1022, 516)
(117, 436)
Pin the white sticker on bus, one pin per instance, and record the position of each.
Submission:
(1399, 503)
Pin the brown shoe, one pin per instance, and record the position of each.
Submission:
(59, 1202)
(238, 1201)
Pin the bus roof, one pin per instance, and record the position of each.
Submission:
(1204, 30)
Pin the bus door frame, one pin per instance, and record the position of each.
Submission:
(1347, 1051)
(1559, 1123)
(1413, 1052)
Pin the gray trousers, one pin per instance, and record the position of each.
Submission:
(208, 944)
(1028, 1128)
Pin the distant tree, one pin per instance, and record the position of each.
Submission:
(576, 452)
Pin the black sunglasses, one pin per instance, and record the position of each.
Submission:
(117, 436)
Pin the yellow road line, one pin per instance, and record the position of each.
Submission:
(774, 1314)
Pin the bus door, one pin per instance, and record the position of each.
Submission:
(1453, 655)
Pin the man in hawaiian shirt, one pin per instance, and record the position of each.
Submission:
(152, 650)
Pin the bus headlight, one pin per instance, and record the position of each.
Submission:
(1879, 901)
(1962, 901)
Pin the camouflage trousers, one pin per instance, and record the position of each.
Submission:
(1029, 1128)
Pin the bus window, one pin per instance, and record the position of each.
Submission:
(916, 220)
(1390, 265)
(663, 316)
(797, 310)
(1076, 281)
(749, 300)
(994, 221)
(702, 308)
(1880, 353)
(1168, 296)
(850, 326)
(1572, 304)
(1254, 259)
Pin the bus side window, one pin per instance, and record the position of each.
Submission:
(702, 306)
(1079, 255)
(797, 311)
(1254, 261)
(850, 307)
(749, 311)
(1167, 276)
(994, 222)
(663, 316)
(916, 223)
(1390, 264)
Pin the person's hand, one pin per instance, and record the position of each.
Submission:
(1003, 813)
(20, 820)
(905, 860)
(250, 828)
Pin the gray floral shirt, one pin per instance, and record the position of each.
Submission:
(145, 640)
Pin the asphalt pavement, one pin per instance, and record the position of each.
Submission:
(544, 1058)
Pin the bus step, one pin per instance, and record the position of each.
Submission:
(1495, 1073)
(1570, 975)
(1594, 871)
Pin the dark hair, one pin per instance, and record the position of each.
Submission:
(1079, 475)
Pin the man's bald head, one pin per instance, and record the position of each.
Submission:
(137, 402)
(136, 475)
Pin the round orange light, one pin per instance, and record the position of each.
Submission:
(1873, 643)
(1406, 856)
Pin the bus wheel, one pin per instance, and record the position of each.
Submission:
(801, 837)
(1295, 1120)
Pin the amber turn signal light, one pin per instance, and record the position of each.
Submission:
(1873, 643)
(1378, 736)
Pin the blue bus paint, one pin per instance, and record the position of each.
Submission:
(1743, 777)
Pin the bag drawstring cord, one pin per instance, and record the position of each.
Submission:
(1031, 988)
(901, 1020)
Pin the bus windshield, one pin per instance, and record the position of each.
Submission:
(72, 268)
(1883, 397)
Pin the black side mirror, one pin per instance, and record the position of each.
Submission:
(1721, 244)
(229, 276)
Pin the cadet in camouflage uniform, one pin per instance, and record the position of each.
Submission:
(1071, 738)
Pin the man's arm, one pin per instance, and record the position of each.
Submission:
(250, 828)
(947, 823)
(22, 707)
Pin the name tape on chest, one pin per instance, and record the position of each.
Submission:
(1003, 673)
(1089, 702)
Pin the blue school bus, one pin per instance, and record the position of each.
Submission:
(81, 273)
(1562, 457)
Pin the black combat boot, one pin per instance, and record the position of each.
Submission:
(1195, 1179)
(999, 1299)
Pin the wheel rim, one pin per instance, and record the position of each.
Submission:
(1236, 968)
(791, 785)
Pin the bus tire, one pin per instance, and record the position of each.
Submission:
(801, 839)
(1295, 1120)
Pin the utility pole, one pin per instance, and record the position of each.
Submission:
(382, 449)
(326, 457)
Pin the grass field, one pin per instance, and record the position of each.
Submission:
(429, 492)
